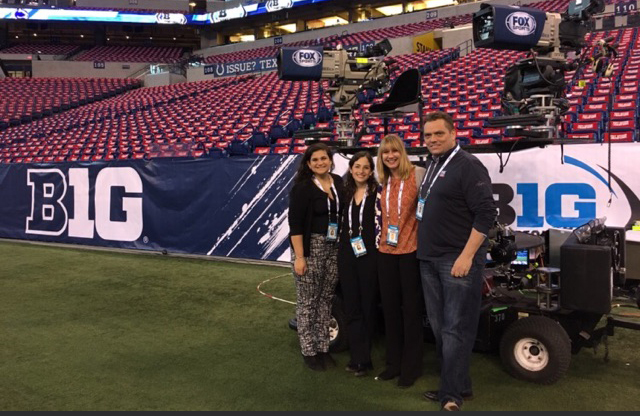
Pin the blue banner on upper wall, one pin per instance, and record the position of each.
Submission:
(132, 16)
(241, 68)
(234, 207)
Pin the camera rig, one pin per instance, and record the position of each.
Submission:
(533, 99)
(348, 73)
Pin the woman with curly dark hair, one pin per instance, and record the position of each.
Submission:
(315, 210)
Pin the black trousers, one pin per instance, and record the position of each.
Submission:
(359, 283)
(403, 308)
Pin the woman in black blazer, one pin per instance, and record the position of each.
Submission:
(315, 209)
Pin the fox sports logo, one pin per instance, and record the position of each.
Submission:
(521, 23)
(307, 57)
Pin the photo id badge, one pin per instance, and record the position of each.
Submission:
(420, 209)
(358, 246)
(392, 235)
(332, 232)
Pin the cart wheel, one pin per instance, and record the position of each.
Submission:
(536, 349)
(338, 340)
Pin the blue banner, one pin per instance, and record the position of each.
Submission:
(108, 16)
(241, 68)
(235, 207)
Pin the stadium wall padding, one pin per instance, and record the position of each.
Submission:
(224, 207)
(237, 206)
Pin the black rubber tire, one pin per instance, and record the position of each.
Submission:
(549, 341)
(338, 326)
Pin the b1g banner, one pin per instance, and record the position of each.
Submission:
(233, 207)
(238, 206)
(542, 188)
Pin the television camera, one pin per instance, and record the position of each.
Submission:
(533, 99)
(349, 74)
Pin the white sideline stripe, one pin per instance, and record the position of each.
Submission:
(150, 253)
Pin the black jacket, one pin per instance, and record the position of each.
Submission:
(308, 210)
(460, 199)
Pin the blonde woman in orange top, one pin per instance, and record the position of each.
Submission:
(398, 269)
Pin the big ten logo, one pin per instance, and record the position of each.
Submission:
(117, 203)
(583, 204)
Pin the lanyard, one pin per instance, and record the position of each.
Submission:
(437, 175)
(364, 198)
(335, 193)
(399, 197)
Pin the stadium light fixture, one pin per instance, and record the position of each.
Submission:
(392, 10)
(291, 28)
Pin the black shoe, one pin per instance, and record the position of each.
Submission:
(359, 370)
(432, 395)
(406, 382)
(313, 362)
(388, 375)
(327, 359)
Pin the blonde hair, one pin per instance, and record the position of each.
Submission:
(393, 142)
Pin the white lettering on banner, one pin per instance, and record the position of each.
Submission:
(80, 226)
(49, 215)
(268, 64)
(48, 191)
(131, 229)
(538, 191)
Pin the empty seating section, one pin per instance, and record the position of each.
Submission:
(133, 125)
(188, 119)
(251, 114)
(43, 49)
(32, 99)
(468, 88)
(603, 108)
(148, 54)
(370, 35)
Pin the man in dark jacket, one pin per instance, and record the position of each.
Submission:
(456, 210)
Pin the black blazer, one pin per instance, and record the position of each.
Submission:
(303, 198)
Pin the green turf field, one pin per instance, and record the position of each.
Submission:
(86, 330)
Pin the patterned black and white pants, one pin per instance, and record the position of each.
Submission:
(314, 291)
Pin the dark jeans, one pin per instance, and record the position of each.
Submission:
(402, 305)
(453, 309)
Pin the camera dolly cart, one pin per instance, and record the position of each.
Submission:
(538, 318)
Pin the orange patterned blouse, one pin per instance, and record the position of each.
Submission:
(408, 225)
